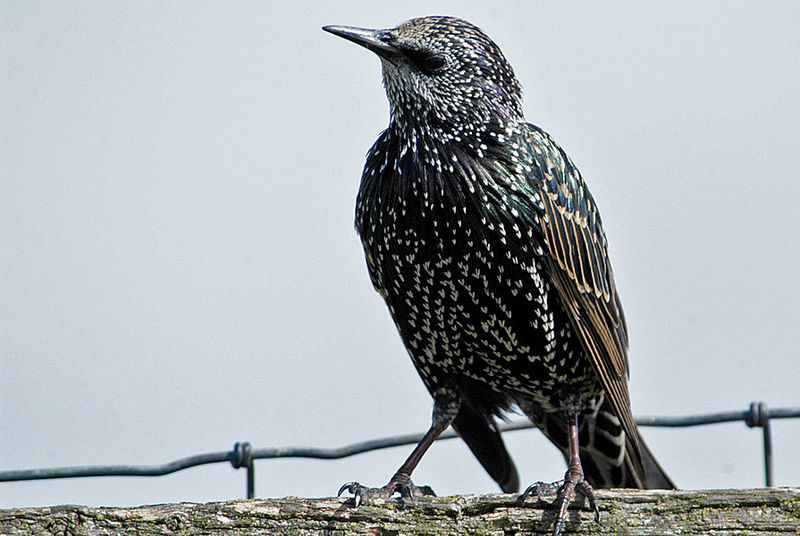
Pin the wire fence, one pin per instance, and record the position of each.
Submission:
(243, 455)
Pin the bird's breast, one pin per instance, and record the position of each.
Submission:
(466, 303)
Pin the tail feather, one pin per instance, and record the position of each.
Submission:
(655, 475)
(481, 435)
(606, 451)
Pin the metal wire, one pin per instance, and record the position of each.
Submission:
(242, 455)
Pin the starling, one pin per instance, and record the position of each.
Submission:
(482, 237)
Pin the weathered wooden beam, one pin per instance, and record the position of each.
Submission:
(729, 511)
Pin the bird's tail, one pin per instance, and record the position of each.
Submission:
(605, 451)
(479, 431)
(656, 477)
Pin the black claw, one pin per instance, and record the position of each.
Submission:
(356, 489)
(586, 490)
(406, 490)
(565, 490)
(562, 501)
(349, 486)
(540, 488)
(398, 484)
(530, 490)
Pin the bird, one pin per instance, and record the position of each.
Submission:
(483, 239)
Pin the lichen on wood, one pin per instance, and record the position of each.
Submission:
(624, 512)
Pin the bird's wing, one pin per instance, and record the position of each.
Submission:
(578, 261)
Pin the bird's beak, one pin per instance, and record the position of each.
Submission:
(375, 40)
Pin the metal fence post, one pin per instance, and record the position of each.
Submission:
(242, 456)
(759, 416)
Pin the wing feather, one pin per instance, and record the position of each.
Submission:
(578, 262)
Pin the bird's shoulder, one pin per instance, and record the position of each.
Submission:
(576, 250)
(567, 214)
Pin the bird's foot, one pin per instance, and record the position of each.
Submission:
(565, 490)
(400, 483)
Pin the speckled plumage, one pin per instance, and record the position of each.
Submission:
(482, 238)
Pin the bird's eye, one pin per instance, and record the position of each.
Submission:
(427, 61)
(433, 63)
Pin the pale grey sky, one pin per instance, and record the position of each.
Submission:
(179, 269)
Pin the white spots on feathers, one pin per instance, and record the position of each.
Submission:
(448, 213)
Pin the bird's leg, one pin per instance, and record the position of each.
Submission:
(446, 403)
(574, 481)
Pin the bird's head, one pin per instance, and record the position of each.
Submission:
(442, 72)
